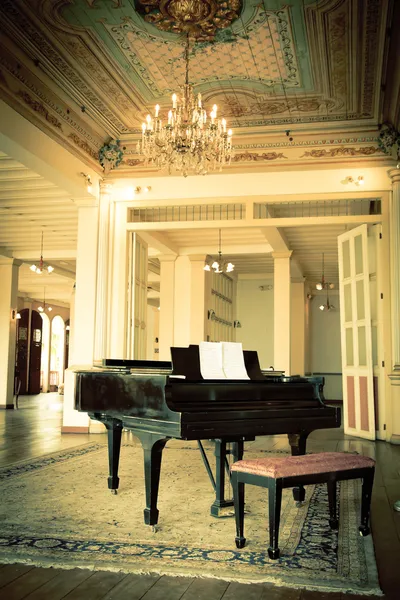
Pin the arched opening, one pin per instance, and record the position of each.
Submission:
(45, 356)
(57, 353)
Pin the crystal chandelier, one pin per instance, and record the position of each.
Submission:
(324, 285)
(190, 141)
(42, 266)
(219, 264)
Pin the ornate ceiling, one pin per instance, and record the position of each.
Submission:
(87, 71)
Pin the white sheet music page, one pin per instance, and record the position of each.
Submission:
(233, 361)
(211, 360)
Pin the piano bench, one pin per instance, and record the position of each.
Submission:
(289, 471)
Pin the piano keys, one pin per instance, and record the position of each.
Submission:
(159, 401)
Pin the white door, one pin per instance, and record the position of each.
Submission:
(137, 298)
(356, 334)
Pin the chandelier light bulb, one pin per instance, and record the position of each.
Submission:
(40, 308)
(33, 268)
(319, 286)
(49, 308)
(322, 307)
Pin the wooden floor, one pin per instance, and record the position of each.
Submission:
(34, 430)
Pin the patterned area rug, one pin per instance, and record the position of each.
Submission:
(57, 511)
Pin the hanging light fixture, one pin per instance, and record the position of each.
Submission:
(190, 141)
(324, 285)
(219, 264)
(327, 305)
(42, 266)
(43, 308)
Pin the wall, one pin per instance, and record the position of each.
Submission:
(325, 348)
(255, 311)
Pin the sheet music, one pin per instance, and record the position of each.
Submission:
(233, 361)
(211, 360)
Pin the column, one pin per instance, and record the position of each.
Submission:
(395, 297)
(200, 290)
(117, 314)
(8, 325)
(83, 332)
(103, 252)
(167, 286)
(282, 311)
(182, 301)
(298, 328)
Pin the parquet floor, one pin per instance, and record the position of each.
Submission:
(35, 429)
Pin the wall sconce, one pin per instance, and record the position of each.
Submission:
(265, 288)
(211, 315)
(88, 181)
(145, 189)
(358, 181)
(237, 324)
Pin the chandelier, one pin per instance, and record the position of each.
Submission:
(43, 308)
(327, 305)
(42, 266)
(218, 264)
(190, 141)
(324, 285)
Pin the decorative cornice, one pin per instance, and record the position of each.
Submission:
(83, 145)
(342, 151)
(38, 107)
(252, 156)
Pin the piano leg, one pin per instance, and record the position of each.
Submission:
(153, 446)
(114, 431)
(221, 458)
(297, 443)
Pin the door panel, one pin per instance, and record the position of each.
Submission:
(356, 333)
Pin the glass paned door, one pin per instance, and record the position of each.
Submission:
(356, 334)
(137, 298)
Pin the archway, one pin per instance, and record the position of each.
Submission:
(44, 379)
(57, 353)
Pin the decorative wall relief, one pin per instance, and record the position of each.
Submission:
(341, 151)
(389, 141)
(110, 155)
(253, 157)
(38, 107)
(83, 145)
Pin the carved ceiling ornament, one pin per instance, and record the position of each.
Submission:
(201, 18)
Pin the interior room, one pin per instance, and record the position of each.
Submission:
(174, 173)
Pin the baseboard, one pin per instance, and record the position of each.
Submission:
(7, 406)
(75, 429)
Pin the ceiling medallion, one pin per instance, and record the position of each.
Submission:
(201, 18)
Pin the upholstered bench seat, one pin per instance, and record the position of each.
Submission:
(289, 471)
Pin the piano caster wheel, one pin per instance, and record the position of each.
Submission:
(240, 542)
(114, 492)
(299, 504)
(273, 554)
(154, 528)
(364, 530)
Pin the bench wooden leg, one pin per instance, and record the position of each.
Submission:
(367, 484)
(333, 520)
(274, 509)
(238, 500)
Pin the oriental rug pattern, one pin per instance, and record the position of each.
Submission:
(57, 510)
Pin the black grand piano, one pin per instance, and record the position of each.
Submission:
(159, 401)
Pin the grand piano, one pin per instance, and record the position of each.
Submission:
(160, 400)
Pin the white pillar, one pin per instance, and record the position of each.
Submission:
(103, 252)
(182, 301)
(395, 296)
(167, 285)
(117, 314)
(282, 311)
(200, 289)
(83, 332)
(298, 328)
(8, 324)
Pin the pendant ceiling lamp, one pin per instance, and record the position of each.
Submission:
(41, 266)
(218, 264)
(324, 285)
(190, 140)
